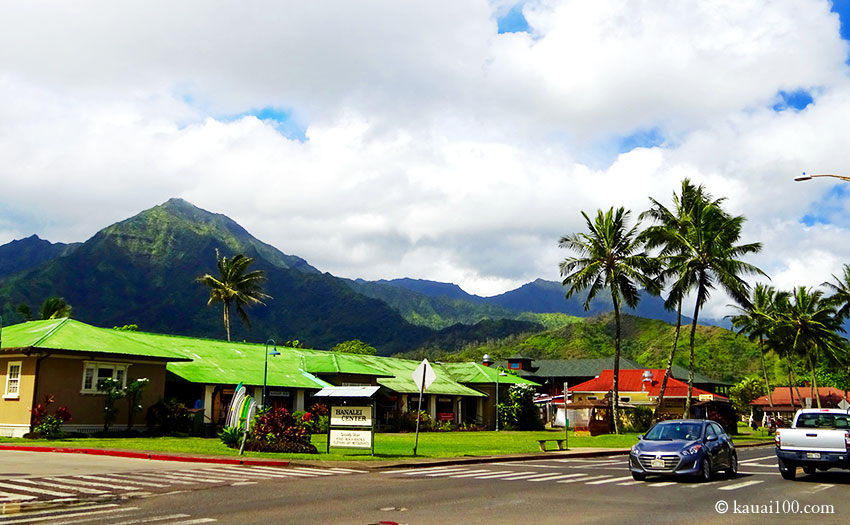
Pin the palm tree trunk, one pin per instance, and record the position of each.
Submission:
(616, 399)
(790, 385)
(815, 391)
(669, 371)
(687, 412)
(797, 389)
(227, 319)
(764, 369)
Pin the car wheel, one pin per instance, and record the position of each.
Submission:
(809, 470)
(705, 471)
(788, 470)
(732, 471)
(637, 476)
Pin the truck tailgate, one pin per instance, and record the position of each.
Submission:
(814, 439)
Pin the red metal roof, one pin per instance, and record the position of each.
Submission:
(829, 396)
(633, 381)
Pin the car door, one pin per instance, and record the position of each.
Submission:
(714, 446)
(726, 444)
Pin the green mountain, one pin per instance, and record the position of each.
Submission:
(24, 254)
(719, 353)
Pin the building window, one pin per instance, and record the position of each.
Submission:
(13, 380)
(514, 365)
(625, 399)
(592, 398)
(94, 371)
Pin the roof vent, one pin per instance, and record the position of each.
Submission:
(647, 378)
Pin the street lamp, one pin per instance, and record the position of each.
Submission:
(503, 374)
(810, 177)
(273, 353)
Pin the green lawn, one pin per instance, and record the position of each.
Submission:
(387, 446)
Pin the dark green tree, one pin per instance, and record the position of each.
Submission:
(610, 258)
(355, 346)
(55, 308)
(235, 285)
(840, 288)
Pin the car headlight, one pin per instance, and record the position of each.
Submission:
(634, 450)
(692, 450)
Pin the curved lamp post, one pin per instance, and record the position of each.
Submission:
(810, 177)
(273, 353)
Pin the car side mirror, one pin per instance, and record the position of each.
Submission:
(711, 438)
(640, 436)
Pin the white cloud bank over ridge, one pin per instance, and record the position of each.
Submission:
(435, 148)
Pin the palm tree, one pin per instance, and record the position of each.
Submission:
(55, 308)
(662, 235)
(840, 298)
(235, 285)
(812, 325)
(610, 257)
(707, 257)
(757, 321)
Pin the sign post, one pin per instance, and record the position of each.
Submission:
(566, 420)
(423, 376)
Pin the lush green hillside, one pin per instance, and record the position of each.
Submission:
(24, 254)
(719, 352)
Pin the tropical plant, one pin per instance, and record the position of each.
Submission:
(355, 346)
(55, 308)
(134, 392)
(111, 388)
(840, 288)
(46, 425)
(705, 256)
(669, 223)
(235, 284)
(25, 311)
(610, 257)
(811, 324)
(744, 392)
(757, 321)
(519, 411)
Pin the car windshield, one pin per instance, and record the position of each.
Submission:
(821, 420)
(672, 431)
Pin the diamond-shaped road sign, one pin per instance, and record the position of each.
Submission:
(424, 375)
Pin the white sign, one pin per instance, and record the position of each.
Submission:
(351, 438)
(424, 375)
(346, 416)
(843, 404)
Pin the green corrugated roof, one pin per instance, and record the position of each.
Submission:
(471, 373)
(221, 362)
(68, 335)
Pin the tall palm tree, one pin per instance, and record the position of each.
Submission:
(812, 325)
(757, 321)
(611, 258)
(662, 235)
(55, 308)
(235, 284)
(840, 288)
(707, 257)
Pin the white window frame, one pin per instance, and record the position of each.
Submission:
(7, 393)
(96, 367)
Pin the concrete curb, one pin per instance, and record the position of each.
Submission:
(156, 456)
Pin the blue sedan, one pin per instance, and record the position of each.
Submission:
(684, 447)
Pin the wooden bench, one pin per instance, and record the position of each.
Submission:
(560, 442)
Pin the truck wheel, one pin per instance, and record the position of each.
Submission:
(809, 470)
(788, 471)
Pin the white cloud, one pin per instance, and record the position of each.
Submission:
(435, 147)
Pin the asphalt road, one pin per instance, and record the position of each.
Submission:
(558, 490)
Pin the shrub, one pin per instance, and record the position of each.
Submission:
(231, 436)
(46, 425)
(277, 430)
(637, 419)
(168, 416)
(519, 412)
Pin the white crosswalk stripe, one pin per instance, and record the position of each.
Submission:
(43, 483)
(502, 474)
(612, 480)
(36, 490)
(741, 485)
(553, 477)
(7, 496)
(661, 484)
(582, 479)
(472, 473)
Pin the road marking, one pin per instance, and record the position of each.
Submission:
(526, 465)
(612, 480)
(14, 497)
(148, 478)
(557, 476)
(583, 479)
(502, 474)
(36, 490)
(191, 522)
(76, 514)
(153, 518)
(632, 482)
(756, 460)
(661, 484)
(472, 473)
(774, 473)
(416, 472)
(523, 476)
(243, 483)
(238, 472)
(465, 471)
(702, 484)
(190, 477)
(351, 470)
(113, 477)
(86, 481)
(819, 488)
(320, 472)
(83, 490)
(45, 514)
(741, 485)
(405, 471)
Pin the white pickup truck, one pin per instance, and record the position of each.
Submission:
(819, 439)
